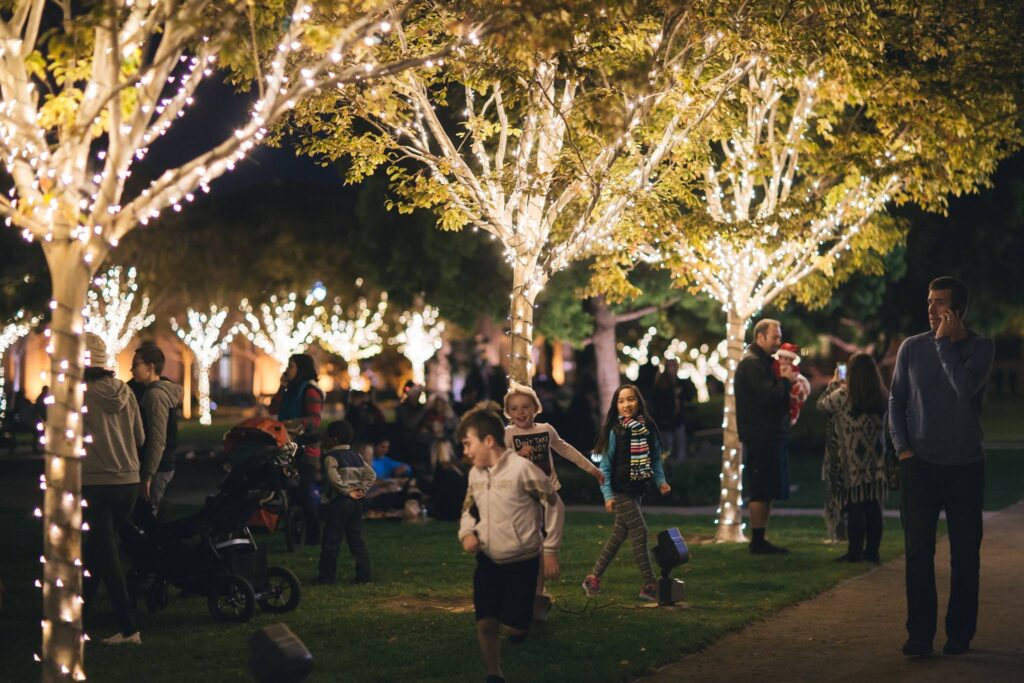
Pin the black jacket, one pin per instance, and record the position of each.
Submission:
(762, 399)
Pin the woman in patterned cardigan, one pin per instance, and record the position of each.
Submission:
(857, 453)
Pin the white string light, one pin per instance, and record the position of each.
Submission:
(109, 311)
(279, 330)
(355, 337)
(12, 331)
(207, 340)
(422, 335)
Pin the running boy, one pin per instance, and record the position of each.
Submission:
(535, 441)
(501, 524)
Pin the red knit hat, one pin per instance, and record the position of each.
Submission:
(790, 351)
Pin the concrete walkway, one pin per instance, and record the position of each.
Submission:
(854, 632)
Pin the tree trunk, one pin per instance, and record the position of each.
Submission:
(521, 328)
(62, 642)
(606, 358)
(730, 512)
(186, 382)
(204, 395)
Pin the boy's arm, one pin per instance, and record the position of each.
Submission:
(606, 467)
(467, 523)
(156, 438)
(333, 475)
(538, 485)
(566, 450)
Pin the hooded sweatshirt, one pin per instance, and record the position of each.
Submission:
(159, 399)
(503, 508)
(115, 425)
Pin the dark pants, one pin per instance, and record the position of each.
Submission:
(927, 489)
(307, 498)
(344, 520)
(109, 507)
(864, 521)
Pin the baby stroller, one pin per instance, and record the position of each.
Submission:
(281, 508)
(212, 553)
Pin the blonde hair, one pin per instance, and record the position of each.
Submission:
(525, 390)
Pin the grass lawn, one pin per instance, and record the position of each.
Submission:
(416, 623)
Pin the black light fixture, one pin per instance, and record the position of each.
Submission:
(671, 552)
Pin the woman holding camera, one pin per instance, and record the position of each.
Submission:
(857, 405)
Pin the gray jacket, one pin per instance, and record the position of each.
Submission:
(159, 399)
(113, 422)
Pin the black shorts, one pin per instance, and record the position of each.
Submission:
(763, 469)
(505, 591)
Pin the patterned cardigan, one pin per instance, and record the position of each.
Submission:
(855, 456)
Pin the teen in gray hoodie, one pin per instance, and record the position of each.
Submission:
(110, 482)
(158, 398)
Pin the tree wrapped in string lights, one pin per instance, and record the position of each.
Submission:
(110, 310)
(354, 337)
(280, 330)
(696, 364)
(549, 151)
(12, 331)
(770, 228)
(421, 336)
(207, 339)
(85, 90)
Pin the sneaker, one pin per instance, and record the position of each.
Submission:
(848, 558)
(873, 558)
(766, 548)
(121, 639)
(649, 592)
(915, 649)
(592, 586)
(953, 647)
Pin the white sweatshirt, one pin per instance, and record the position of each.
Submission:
(544, 439)
(504, 506)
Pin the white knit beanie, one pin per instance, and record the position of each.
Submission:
(524, 389)
(97, 351)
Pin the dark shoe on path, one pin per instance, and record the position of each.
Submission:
(953, 647)
(766, 548)
(873, 558)
(848, 558)
(915, 649)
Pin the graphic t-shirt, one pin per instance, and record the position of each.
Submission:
(544, 439)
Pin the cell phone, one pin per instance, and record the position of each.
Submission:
(842, 370)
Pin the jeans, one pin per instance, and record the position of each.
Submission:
(307, 497)
(344, 521)
(865, 522)
(109, 507)
(926, 490)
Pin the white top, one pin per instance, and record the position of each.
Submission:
(543, 438)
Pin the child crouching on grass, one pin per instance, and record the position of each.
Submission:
(631, 458)
(501, 524)
(347, 477)
(535, 442)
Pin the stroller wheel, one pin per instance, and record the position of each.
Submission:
(233, 599)
(156, 597)
(281, 593)
(295, 528)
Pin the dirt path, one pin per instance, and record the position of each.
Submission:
(854, 632)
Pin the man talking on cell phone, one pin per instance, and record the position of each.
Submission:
(935, 420)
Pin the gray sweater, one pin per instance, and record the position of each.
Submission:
(113, 422)
(936, 396)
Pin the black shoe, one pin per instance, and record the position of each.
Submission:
(873, 558)
(848, 558)
(913, 649)
(766, 548)
(953, 647)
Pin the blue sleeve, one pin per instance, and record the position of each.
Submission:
(659, 469)
(606, 467)
(969, 376)
(898, 400)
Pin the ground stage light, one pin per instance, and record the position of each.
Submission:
(276, 655)
(671, 552)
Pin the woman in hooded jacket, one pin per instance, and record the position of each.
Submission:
(110, 483)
